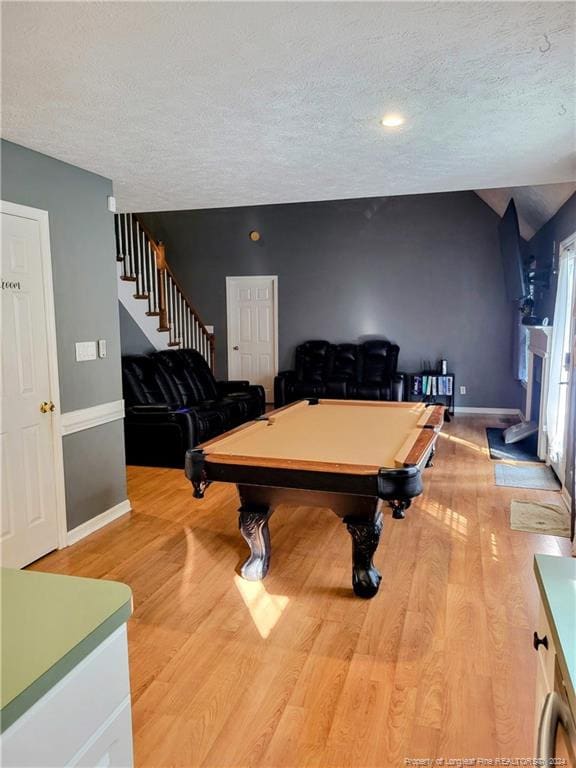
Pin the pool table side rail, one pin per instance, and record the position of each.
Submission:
(420, 448)
(387, 483)
(434, 417)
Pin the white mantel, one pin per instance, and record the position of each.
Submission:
(539, 343)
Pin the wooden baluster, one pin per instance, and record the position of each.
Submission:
(162, 287)
(155, 307)
(132, 231)
(177, 313)
(151, 277)
(174, 311)
(129, 244)
(182, 330)
(212, 352)
(138, 259)
(125, 245)
(170, 308)
(145, 267)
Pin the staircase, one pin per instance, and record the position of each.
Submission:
(165, 315)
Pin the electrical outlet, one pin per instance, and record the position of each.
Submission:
(462, 390)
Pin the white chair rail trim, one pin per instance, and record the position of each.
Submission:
(86, 418)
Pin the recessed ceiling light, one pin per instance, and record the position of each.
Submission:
(392, 120)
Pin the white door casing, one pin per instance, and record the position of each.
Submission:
(31, 465)
(252, 319)
(562, 344)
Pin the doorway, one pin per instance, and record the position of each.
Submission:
(561, 364)
(252, 318)
(31, 466)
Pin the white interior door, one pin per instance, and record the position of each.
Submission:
(28, 477)
(252, 313)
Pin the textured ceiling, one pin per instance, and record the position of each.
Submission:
(534, 205)
(192, 105)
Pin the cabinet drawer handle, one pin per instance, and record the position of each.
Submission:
(537, 641)
(555, 715)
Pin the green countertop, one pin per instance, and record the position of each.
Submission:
(49, 624)
(556, 578)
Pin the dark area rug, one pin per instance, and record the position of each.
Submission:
(524, 450)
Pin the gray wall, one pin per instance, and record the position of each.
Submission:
(421, 270)
(132, 340)
(86, 302)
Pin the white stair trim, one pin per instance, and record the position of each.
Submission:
(137, 309)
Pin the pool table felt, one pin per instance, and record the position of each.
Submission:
(357, 436)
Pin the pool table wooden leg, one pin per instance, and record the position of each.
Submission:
(253, 524)
(365, 535)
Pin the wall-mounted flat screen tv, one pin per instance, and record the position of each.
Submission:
(511, 250)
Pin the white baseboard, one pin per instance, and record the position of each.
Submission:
(565, 498)
(464, 409)
(85, 418)
(90, 526)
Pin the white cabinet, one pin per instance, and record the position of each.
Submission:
(84, 720)
(545, 668)
(554, 727)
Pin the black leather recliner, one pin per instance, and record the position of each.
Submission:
(366, 371)
(173, 402)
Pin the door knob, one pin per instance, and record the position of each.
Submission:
(47, 407)
(236, 347)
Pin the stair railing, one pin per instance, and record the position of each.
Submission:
(144, 263)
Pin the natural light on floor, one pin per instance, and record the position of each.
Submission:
(188, 568)
(448, 516)
(265, 609)
(466, 443)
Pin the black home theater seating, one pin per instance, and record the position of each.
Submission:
(365, 371)
(173, 402)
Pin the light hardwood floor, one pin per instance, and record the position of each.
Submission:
(295, 671)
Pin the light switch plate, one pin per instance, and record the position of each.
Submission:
(101, 347)
(85, 350)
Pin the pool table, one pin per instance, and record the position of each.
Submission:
(347, 455)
